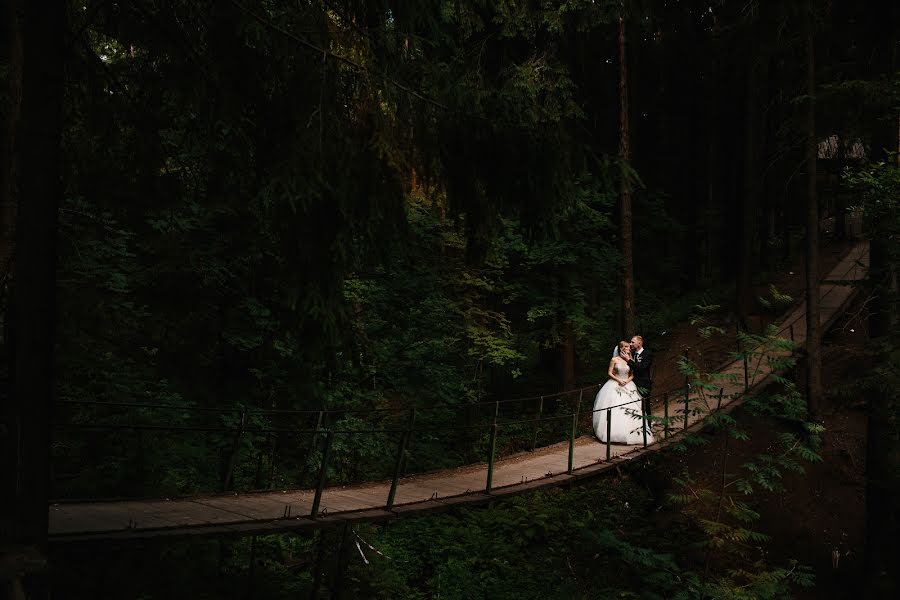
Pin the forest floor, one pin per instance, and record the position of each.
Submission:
(820, 514)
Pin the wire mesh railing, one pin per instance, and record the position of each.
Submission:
(252, 447)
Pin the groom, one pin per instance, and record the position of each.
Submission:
(641, 363)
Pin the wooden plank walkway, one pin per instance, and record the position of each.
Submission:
(273, 511)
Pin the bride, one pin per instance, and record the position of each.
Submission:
(621, 393)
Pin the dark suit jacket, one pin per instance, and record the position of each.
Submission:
(641, 364)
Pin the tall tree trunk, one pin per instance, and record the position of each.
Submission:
(710, 213)
(693, 251)
(34, 283)
(713, 160)
(10, 16)
(813, 326)
(748, 208)
(731, 166)
(627, 247)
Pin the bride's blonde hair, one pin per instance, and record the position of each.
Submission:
(623, 344)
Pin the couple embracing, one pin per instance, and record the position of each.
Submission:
(625, 396)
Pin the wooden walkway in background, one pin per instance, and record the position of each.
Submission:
(274, 511)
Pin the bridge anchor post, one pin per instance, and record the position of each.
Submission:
(490, 472)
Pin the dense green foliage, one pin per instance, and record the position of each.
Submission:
(345, 205)
(252, 223)
(411, 205)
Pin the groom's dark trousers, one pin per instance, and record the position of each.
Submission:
(640, 366)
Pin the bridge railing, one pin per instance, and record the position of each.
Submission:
(258, 443)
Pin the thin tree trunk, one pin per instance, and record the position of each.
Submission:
(813, 327)
(568, 356)
(10, 15)
(713, 161)
(747, 213)
(34, 292)
(882, 514)
(627, 248)
(882, 453)
(730, 165)
(840, 205)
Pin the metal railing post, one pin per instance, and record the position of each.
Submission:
(608, 430)
(721, 393)
(687, 393)
(401, 453)
(537, 423)
(572, 440)
(141, 462)
(305, 467)
(272, 460)
(666, 415)
(490, 472)
(412, 422)
(741, 350)
(257, 476)
(792, 331)
(323, 472)
(235, 448)
(644, 421)
(746, 376)
(396, 479)
(574, 431)
(319, 420)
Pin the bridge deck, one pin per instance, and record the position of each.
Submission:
(267, 512)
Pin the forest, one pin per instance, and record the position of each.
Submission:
(266, 217)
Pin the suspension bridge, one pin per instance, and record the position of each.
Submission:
(576, 456)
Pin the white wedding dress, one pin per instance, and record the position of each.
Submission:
(626, 416)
